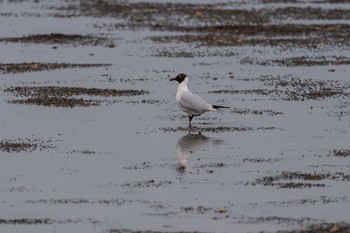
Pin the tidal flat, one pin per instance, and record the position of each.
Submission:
(92, 139)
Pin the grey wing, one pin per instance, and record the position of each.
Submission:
(194, 103)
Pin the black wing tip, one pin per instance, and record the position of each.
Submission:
(218, 106)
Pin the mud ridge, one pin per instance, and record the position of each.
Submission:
(57, 102)
(219, 129)
(340, 227)
(340, 153)
(299, 90)
(26, 221)
(300, 61)
(28, 145)
(268, 35)
(161, 15)
(71, 91)
(310, 179)
(146, 184)
(246, 111)
(15, 68)
(55, 96)
(147, 231)
(305, 201)
(63, 39)
(43, 221)
(218, 25)
(295, 89)
(78, 201)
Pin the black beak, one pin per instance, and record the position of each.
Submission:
(173, 79)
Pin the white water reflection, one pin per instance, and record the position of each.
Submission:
(191, 143)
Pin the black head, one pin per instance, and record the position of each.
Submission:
(181, 77)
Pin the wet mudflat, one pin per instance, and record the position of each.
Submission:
(92, 140)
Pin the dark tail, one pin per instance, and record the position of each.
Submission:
(217, 106)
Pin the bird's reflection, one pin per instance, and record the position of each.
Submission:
(190, 143)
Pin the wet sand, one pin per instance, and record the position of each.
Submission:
(92, 140)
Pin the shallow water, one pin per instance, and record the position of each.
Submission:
(267, 164)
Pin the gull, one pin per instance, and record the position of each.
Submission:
(190, 103)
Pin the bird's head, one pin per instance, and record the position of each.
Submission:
(180, 77)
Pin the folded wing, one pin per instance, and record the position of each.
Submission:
(193, 104)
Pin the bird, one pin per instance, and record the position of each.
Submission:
(191, 103)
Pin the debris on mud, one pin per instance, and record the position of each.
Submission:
(219, 24)
(219, 129)
(44, 221)
(300, 61)
(84, 152)
(146, 231)
(243, 92)
(10, 146)
(55, 96)
(209, 13)
(26, 221)
(212, 165)
(189, 52)
(340, 153)
(28, 145)
(261, 160)
(208, 167)
(299, 90)
(15, 68)
(198, 209)
(295, 35)
(58, 38)
(304, 201)
(77, 201)
(340, 227)
(146, 184)
(246, 111)
(57, 102)
(296, 89)
(71, 91)
(280, 220)
(308, 177)
(151, 101)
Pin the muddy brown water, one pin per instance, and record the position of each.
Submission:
(92, 140)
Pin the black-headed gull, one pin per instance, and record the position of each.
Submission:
(190, 103)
